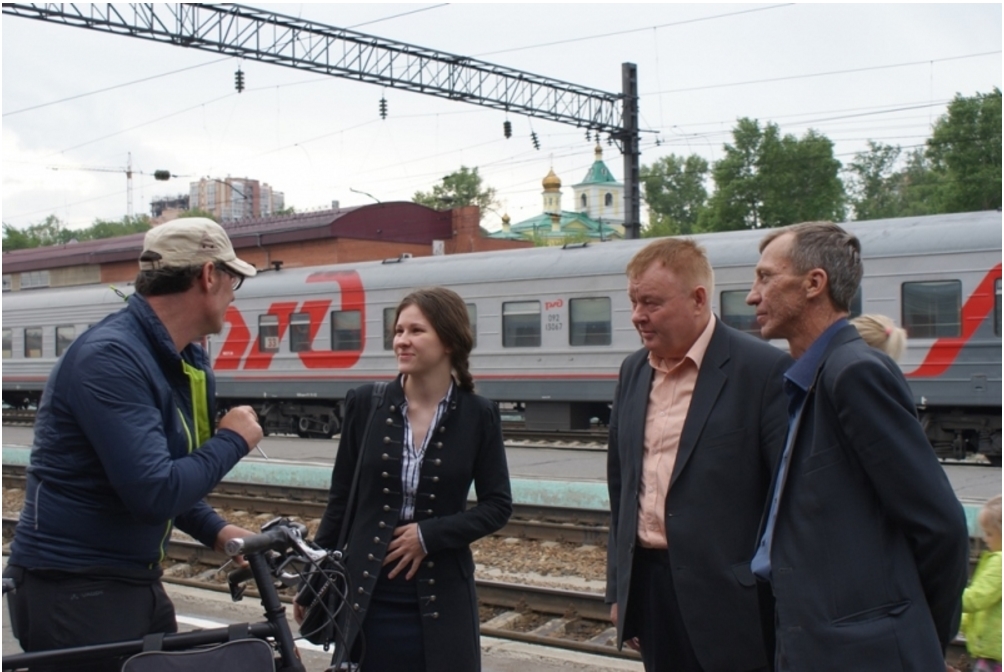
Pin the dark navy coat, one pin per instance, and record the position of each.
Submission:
(870, 551)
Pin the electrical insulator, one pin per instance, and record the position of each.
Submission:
(239, 80)
(610, 140)
(507, 129)
(162, 175)
(534, 139)
(383, 108)
(589, 136)
(658, 142)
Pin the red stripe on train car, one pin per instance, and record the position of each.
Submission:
(945, 351)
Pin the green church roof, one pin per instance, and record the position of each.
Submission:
(598, 174)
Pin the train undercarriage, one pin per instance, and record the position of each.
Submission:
(956, 433)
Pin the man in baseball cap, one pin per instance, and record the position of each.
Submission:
(127, 447)
(188, 242)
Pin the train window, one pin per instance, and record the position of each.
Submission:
(33, 342)
(268, 333)
(299, 332)
(346, 330)
(8, 347)
(591, 321)
(932, 309)
(521, 324)
(855, 305)
(737, 314)
(388, 327)
(997, 307)
(472, 317)
(64, 336)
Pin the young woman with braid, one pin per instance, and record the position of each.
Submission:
(412, 604)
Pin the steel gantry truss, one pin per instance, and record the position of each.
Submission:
(306, 45)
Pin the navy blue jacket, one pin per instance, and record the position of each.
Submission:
(871, 548)
(116, 459)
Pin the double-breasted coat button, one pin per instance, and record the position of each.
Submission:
(366, 575)
(430, 564)
(435, 614)
(370, 557)
(385, 457)
(385, 475)
(439, 444)
(356, 606)
(435, 479)
(386, 439)
(390, 421)
(361, 590)
(382, 525)
(442, 429)
(432, 496)
(376, 540)
(437, 462)
(432, 582)
(386, 507)
(386, 491)
(432, 598)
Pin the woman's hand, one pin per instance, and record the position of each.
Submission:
(406, 549)
(299, 612)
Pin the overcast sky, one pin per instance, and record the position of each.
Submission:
(852, 72)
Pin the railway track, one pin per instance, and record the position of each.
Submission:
(535, 523)
(556, 618)
(570, 620)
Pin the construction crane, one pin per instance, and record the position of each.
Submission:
(159, 175)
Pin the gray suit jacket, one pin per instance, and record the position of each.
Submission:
(732, 436)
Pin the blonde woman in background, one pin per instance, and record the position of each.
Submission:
(881, 332)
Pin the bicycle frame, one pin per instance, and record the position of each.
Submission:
(275, 627)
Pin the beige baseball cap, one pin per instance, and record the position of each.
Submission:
(190, 241)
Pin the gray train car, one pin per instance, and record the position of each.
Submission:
(552, 326)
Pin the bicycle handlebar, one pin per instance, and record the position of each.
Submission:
(276, 538)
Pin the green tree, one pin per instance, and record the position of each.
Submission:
(873, 183)
(965, 149)
(675, 193)
(459, 188)
(15, 239)
(51, 231)
(196, 212)
(768, 180)
(111, 229)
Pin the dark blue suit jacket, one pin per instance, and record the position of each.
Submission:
(870, 551)
(731, 438)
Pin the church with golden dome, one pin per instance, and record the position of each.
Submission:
(598, 202)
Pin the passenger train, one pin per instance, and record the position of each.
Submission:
(552, 326)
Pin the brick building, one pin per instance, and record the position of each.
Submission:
(343, 235)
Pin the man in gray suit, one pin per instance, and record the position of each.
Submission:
(698, 421)
(864, 543)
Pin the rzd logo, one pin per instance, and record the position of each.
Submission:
(239, 342)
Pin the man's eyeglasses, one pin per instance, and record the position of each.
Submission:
(235, 278)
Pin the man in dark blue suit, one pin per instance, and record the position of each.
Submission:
(864, 543)
(697, 424)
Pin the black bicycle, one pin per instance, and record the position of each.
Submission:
(277, 557)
